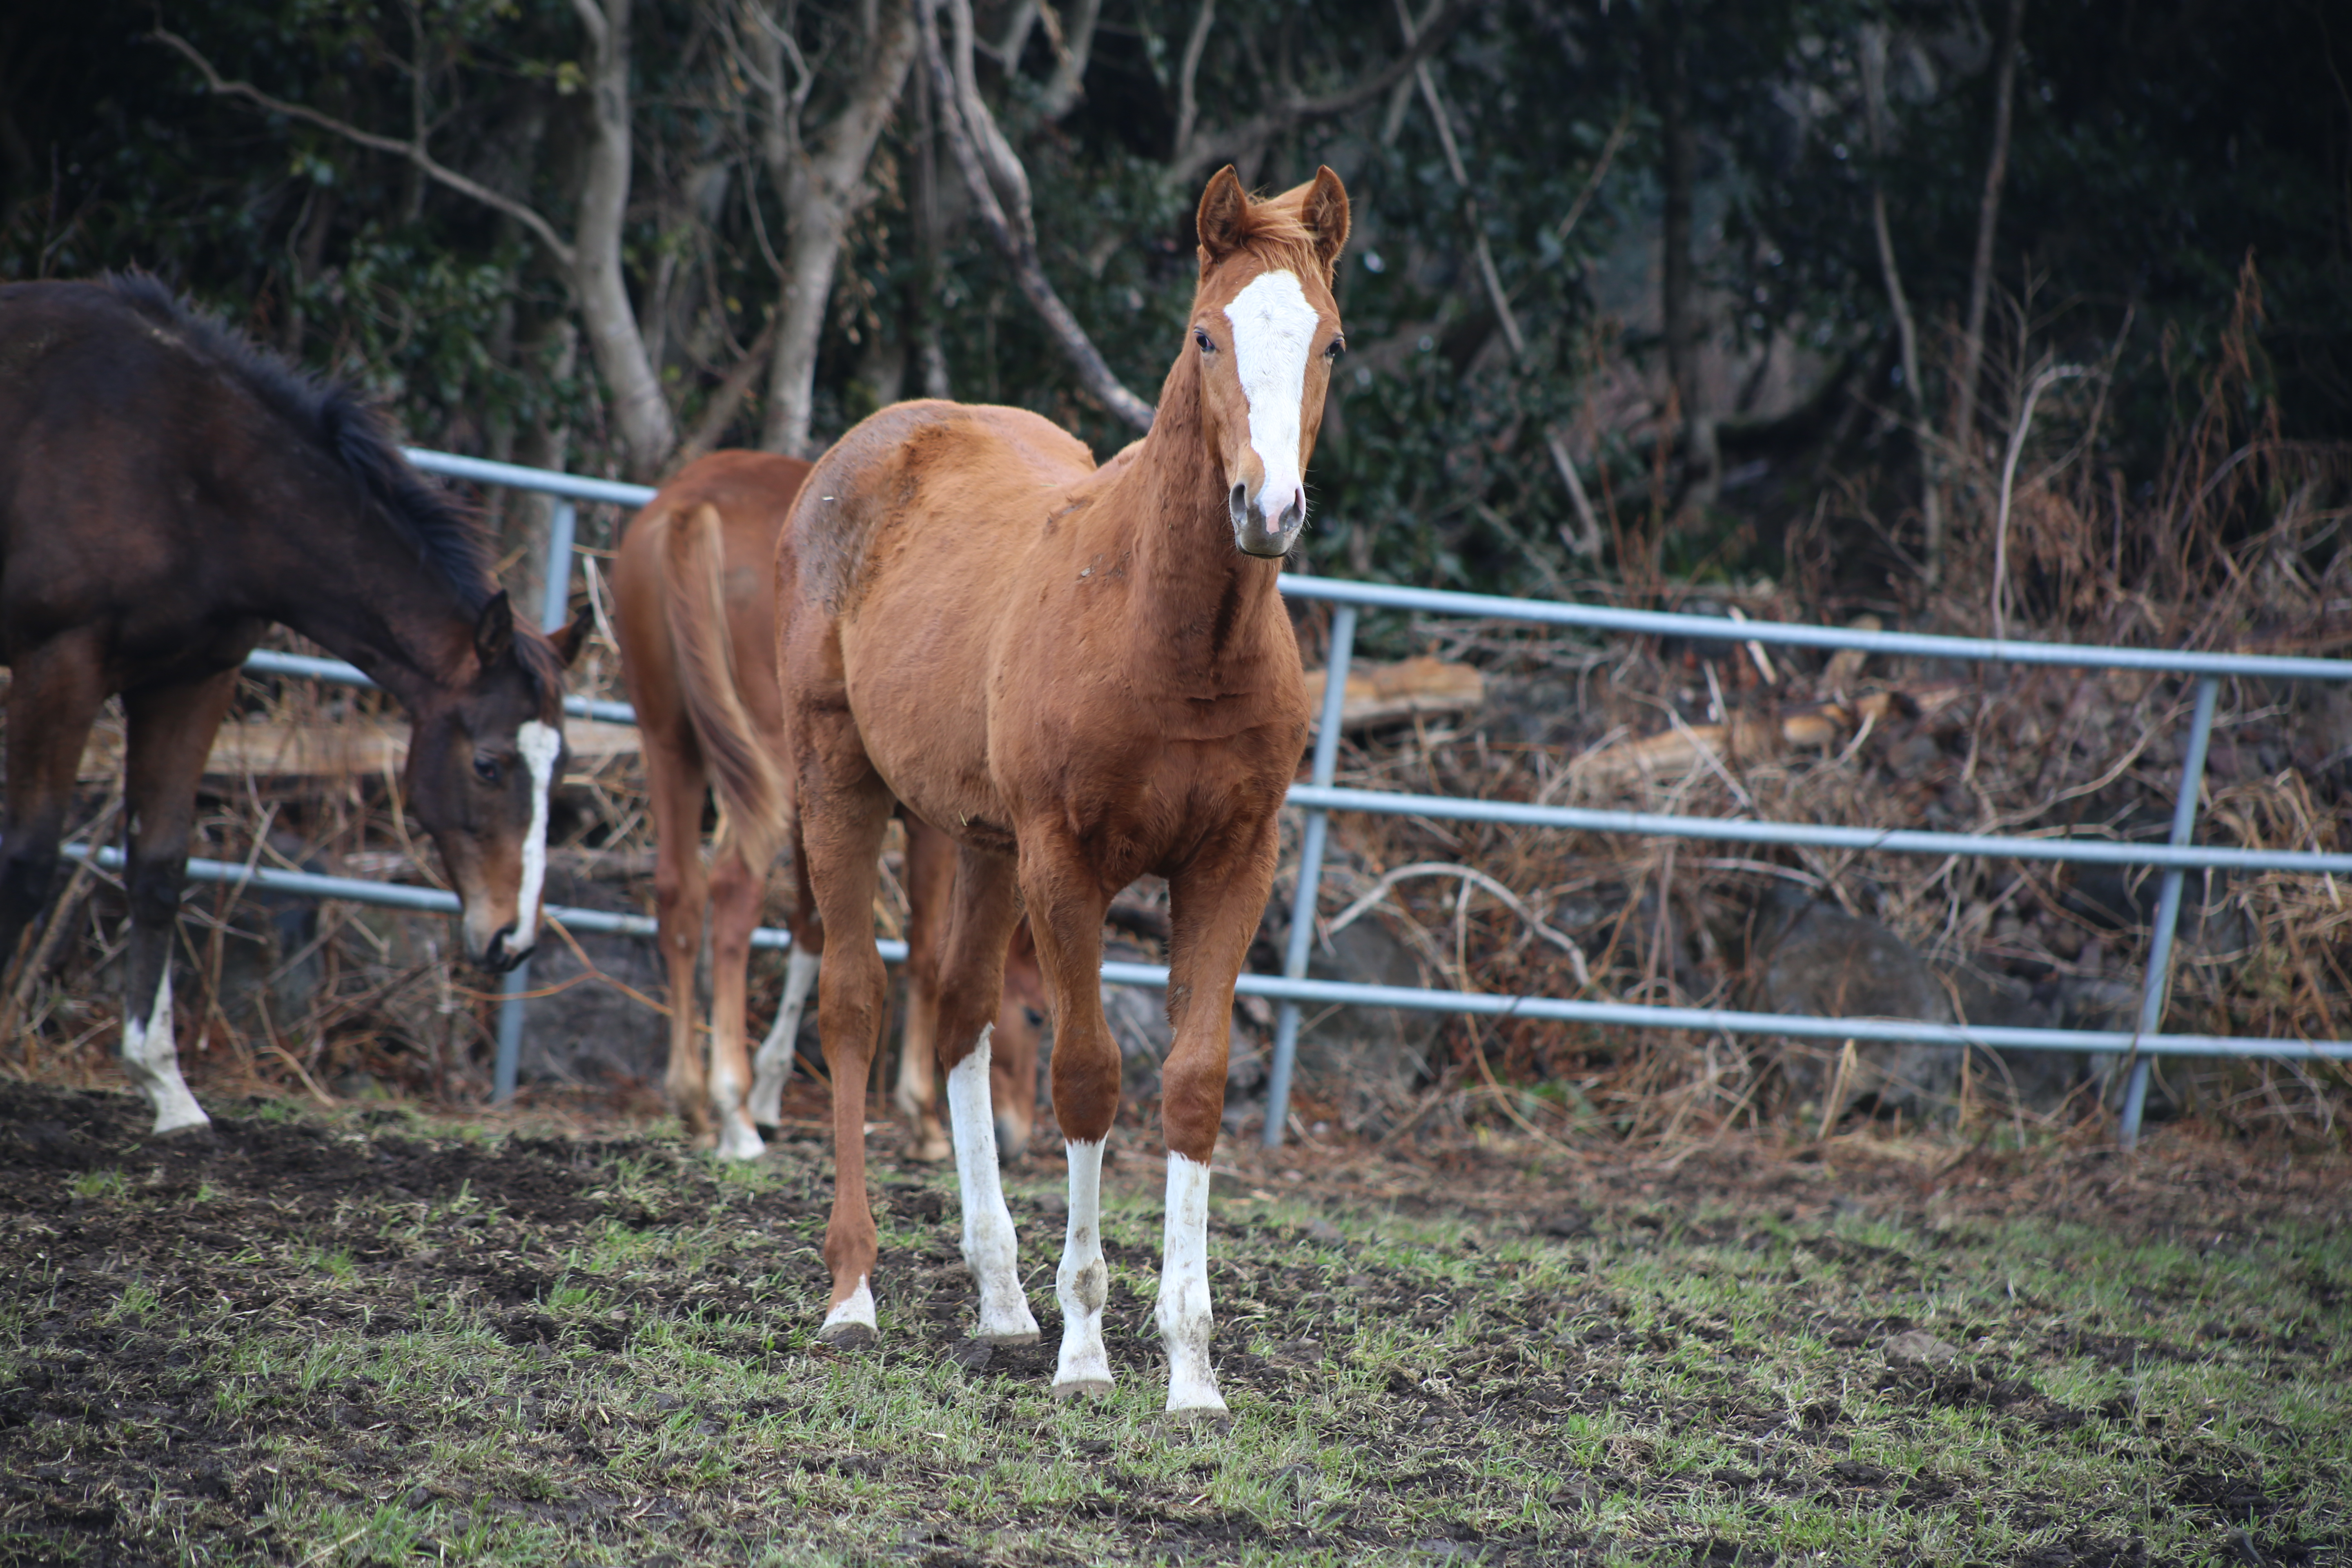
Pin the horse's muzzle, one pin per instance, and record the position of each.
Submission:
(1251, 534)
(498, 957)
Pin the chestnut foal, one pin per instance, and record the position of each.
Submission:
(1083, 675)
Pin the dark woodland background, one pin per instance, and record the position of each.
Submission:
(1713, 342)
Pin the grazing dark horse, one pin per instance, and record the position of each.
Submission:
(695, 611)
(166, 491)
(1083, 675)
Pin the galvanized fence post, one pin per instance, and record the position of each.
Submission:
(555, 608)
(2168, 906)
(1310, 871)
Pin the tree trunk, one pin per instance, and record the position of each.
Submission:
(822, 183)
(1964, 415)
(1665, 50)
(640, 411)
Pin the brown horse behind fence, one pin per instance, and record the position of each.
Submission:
(694, 608)
(166, 491)
(1083, 675)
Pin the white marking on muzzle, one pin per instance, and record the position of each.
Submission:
(1274, 331)
(539, 745)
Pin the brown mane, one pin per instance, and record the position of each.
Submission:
(1275, 233)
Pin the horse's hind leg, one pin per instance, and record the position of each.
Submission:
(775, 1062)
(53, 699)
(735, 890)
(681, 892)
(170, 733)
(842, 826)
(931, 911)
(1065, 910)
(971, 982)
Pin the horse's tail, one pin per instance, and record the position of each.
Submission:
(749, 782)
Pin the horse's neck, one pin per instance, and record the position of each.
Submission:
(1204, 604)
(357, 588)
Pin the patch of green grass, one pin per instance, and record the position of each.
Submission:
(99, 1184)
(456, 1376)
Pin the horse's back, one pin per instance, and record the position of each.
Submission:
(750, 495)
(970, 479)
(107, 401)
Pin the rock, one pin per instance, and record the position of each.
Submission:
(1366, 1061)
(2039, 1081)
(1812, 957)
(591, 1033)
(1917, 1347)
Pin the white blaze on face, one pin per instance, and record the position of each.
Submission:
(1274, 331)
(539, 745)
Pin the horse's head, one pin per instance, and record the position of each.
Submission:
(480, 765)
(1265, 333)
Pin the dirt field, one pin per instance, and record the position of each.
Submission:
(315, 1340)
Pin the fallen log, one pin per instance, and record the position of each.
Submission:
(273, 749)
(1751, 737)
(1380, 694)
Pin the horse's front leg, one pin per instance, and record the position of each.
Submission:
(1214, 907)
(970, 980)
(169, 733)
(55, 696)
(1065, 910)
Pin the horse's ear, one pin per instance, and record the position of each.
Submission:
(1225, 212)
(1325, 213)
(573, 637)
(494, 631)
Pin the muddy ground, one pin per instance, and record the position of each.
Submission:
(310, 1338)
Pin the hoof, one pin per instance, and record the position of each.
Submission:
(1198, 1419)
(769, 1131)
(848, 1335)
(1087, 1388)
(929, 1150)
(1015, 1337)
(198, 1131)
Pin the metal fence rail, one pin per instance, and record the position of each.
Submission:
(1319, 796)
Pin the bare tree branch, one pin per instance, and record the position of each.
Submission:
(1588, 542)
(1187, 107)
(821, 178)
(1073, 47)
(1964, 415)
(1207, 149)
(557, 246)
(969, 128)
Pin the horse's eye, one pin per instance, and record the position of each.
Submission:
(1339, 346)
(486, 769)
(1201, 338)
(1036, 1018)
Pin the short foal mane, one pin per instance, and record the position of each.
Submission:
(1274, 233)
(338, 421)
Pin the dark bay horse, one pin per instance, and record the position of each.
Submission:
(166, 491)
(1083, 675)
(695, 611)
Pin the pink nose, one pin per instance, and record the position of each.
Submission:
(1282, 508)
